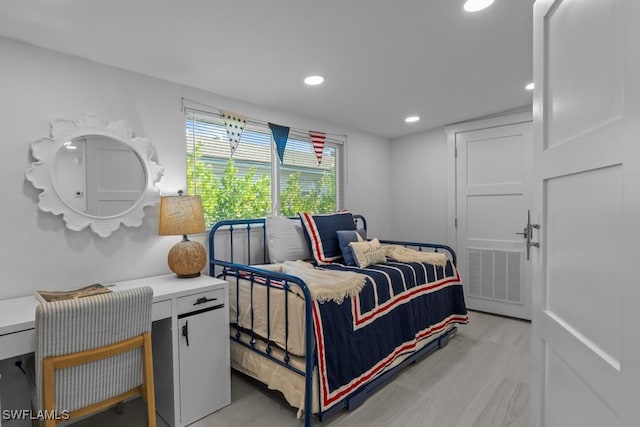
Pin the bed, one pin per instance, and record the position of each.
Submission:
(328, 333)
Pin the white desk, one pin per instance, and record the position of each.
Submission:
(171, 298)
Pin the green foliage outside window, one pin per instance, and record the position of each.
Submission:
(294, 200)
(230, 196)
(234, 196)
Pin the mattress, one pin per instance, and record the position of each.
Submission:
(242, 296)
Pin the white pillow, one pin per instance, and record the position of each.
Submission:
(368, 253)
(285, 239)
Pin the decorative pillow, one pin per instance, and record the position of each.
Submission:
(367, 253)
(320, 231)
(347, 236)
(285, 239)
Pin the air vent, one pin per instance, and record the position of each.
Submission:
(495, 275)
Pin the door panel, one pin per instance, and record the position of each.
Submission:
(580, 102)
(576, 267)
(495, 217)
(483, 152)
(587, 200)
(493, 196)
(583, 407)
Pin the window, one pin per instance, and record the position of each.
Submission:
(254, 181)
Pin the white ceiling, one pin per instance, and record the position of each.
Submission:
(383, 60)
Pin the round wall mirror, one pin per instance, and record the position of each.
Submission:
(98, 175)
(95, 174)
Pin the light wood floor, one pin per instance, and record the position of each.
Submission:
(480, 379)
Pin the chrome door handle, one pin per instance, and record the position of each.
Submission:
(527, 233)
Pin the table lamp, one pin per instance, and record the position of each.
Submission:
(182, 215)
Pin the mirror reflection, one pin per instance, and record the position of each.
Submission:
(98, 175)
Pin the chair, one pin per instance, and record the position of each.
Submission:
(92, 353)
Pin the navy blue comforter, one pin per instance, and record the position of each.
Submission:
(401, 307)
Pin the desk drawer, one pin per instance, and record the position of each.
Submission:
(17, 343)
(161, 310)
(200, 301)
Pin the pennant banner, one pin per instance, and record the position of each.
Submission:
(317, 138)
(280, 136)
(234, 123)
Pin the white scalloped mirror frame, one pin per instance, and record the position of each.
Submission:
(41, 173)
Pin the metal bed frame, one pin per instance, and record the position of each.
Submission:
(228, 269)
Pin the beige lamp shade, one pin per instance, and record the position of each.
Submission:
(182, 215)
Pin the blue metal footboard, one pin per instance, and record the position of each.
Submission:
(252, 238)
(253, 230)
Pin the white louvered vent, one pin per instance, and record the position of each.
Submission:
(495, 274)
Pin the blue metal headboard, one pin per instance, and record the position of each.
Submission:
(250, 225)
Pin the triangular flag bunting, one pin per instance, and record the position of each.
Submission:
(234, 123)
(317, 138)
(280, 136)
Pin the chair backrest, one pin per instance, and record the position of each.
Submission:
(76, 325)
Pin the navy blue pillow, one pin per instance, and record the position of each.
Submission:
(320, 232)
(344, 238)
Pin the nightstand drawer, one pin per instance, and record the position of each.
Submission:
(201, 301)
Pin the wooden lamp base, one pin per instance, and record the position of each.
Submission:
(187, 258)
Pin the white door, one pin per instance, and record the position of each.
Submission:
(586, 295)
(494, 179)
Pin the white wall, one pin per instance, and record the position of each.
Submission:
(38, 85)
(419, 187)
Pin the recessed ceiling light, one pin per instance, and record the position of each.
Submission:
(476, 5)
(529, 86)
(412, 119)
(313, 80)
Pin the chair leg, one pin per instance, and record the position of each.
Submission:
(48, 388)
(119, 408)
(151, 415)
(148, 387)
